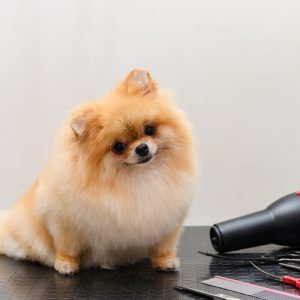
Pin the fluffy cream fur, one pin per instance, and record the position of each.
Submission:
(92, 206)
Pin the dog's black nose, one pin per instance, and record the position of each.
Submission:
(142, 150)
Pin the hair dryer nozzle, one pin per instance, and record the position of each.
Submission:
(216, 238)
(279, 223)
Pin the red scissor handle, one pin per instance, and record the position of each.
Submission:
(291, 280)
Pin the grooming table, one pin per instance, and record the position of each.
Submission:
(26, 280)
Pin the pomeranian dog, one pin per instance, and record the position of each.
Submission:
(116, 189)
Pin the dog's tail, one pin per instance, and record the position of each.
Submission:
(3, 227)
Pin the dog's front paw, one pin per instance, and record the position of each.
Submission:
(166, 263)
(66, 265)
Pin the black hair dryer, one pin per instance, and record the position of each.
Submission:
(279, 223)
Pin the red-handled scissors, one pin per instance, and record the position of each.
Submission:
(284, 279)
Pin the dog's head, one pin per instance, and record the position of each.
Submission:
(135, 127)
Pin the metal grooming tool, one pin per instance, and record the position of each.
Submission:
(204, 293)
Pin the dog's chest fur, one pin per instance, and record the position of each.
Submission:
(119, 228)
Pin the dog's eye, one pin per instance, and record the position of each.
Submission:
(119, 147)
(149, 130)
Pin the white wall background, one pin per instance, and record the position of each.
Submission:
(234, 66)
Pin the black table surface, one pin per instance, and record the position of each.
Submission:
(27, 280)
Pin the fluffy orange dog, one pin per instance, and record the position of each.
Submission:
(116, 189)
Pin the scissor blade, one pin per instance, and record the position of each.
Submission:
(293, 267)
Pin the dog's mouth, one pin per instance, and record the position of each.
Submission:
(146, 159)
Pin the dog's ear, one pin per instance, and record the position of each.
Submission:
(78, 125)
(139, 82)
(84, 119)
